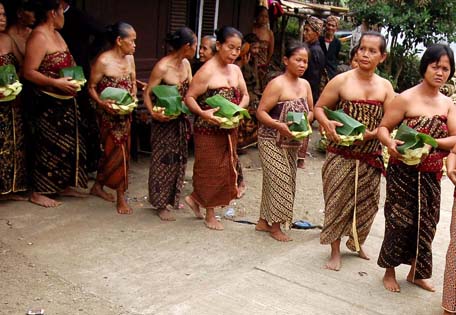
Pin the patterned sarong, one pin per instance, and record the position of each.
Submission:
(449, 282)
(351, 180)
(60, 155)
(339, 193)
(169, 147)
(12, 146)
(115, 139)
(215, 179)
(412, 204)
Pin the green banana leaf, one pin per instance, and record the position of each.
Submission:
(8, 75)
(120, 96)
(227, 109)
(168, 96)
(299, 121)
(412, 139)
(351, 126)
(76, 73)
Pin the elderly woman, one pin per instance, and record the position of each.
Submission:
(214, 171)
(169, 136)
(12, 153)
(59, 151)
(114, 68)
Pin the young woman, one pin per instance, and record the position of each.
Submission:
(114, 68)
(214, 171)
(413, 192)
(286, 93)
(169, 137)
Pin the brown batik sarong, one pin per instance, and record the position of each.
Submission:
(279, 181)
(351, 180)
(449, 281)
(12, 149)
(339, 176)
(168, 162)
(412, 205)
(59, 150)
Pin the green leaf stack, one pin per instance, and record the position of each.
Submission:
(300, 127)
(351, 130)
(125, 103)
(10, 86)
(169, 98)
(230, 114)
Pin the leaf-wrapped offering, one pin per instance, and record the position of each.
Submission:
(10, 86)
(230, 114)
(169, 101)
(300, 127)
(125, 103)
(351, 131)
(413, 147)
(76, 73)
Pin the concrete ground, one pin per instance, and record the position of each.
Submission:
(83, 258)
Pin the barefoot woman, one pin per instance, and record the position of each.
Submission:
(169, 137)
(412, 202)
(214, 171)
(286, 93)
(12, 150)
(114, 68)
(59, 151)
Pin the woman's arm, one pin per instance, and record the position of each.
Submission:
(310, 115)
(96, 74)
(394, 113)
(270, 98)
(133, 75)
(156, 76)
(243, 88)
(35, 52)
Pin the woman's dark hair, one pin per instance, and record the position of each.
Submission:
(119, 29)
(180, 37)
(226, 32)
(353, 53)
(251, 38)
(259, 9)
(376, 34)
(434, 53)
(42, 7)
(293, 46)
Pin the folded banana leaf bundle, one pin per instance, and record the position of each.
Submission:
(300, 127)
(351, 131)
(229, 113)
(10, 86)
(124, 102)
(413, 148)
(76, 73)
(169, 101)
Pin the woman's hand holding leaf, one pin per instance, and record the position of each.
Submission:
(331, 132)
(392, 148)
(208, 115)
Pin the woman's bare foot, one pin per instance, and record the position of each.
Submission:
(43, 201)
(166, 215)
(301, 163)
(97, 190)
(334, 261)
(122, 206)
(276, 233)
(362, 254)
(262, 226)
(71, 192)
(241, 190)
(211, 221)
(192, 204)
(422, 283)
(390, 282)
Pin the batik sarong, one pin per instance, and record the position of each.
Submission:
(115, 139)
(278, 159)
(449, 281)
(12, 146)
(412, 205)
(59, 150)
(169, 148)
(351, 180)
(214, 171)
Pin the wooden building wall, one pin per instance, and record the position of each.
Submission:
(153, 19)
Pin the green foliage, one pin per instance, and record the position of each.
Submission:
(408, 23)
